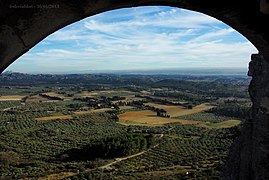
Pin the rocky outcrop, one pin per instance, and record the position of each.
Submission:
(259, 93)
(249, 156)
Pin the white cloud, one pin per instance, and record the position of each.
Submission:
(212, 35)
(142, 38)
(66, 34)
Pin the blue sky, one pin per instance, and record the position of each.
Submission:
(139, 38)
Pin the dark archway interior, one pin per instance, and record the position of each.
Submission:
(23, 24)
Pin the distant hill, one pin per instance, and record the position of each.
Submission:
(165, 71)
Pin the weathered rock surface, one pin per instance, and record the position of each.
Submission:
(259, 92)
(249, 158)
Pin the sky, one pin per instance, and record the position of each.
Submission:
(139, 38)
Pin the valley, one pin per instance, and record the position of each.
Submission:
(140, 126)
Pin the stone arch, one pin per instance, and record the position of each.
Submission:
(23, 24)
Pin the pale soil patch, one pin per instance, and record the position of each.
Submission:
(58, 176)
(89, 94)
(95, 93)
(92, 111)
(147, 117)
(175, 111)
(224, 124)
(63, 117)
(145, 92)
(126, 107)
(129, 99)
(11, 98)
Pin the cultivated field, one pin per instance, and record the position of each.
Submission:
(48, 118)
(129, 98)
(11, 98)
(70, 117)
(126, 107)
(37, 99)
(107, 93)
(92, 111)
(51, 130)
(148, 118)
(175, 111)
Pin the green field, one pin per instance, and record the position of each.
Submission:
(107, 131)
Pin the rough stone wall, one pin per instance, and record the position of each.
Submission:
(249, 156)
(259, 93)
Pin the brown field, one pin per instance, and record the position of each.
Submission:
(11, 98)
(92, 111)
(126, 107)
(89, 94)
(58, 176)
(47, 118)
(69, 117)
(95, 93)
(147, 117)
(175, 111)
(103, 110)
(129, 98)
(145, 92)
(167, 98)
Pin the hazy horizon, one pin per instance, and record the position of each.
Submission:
(171, 71)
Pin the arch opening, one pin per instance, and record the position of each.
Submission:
(24, 35)
(204, 109)
(39, 30)
(156, 37)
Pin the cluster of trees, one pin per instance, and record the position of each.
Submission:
(158, 100)
(140, 104)
(216, 88)
(194, 100)
(184, 96)
(102, 102)
(205, 117)
(76, 106)
(231, 110)
(202, 154)
(114, 114)
(113, 98)
(96, 103)
(119, 146)
(51, 97)
(29, 147)
(160, 112)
